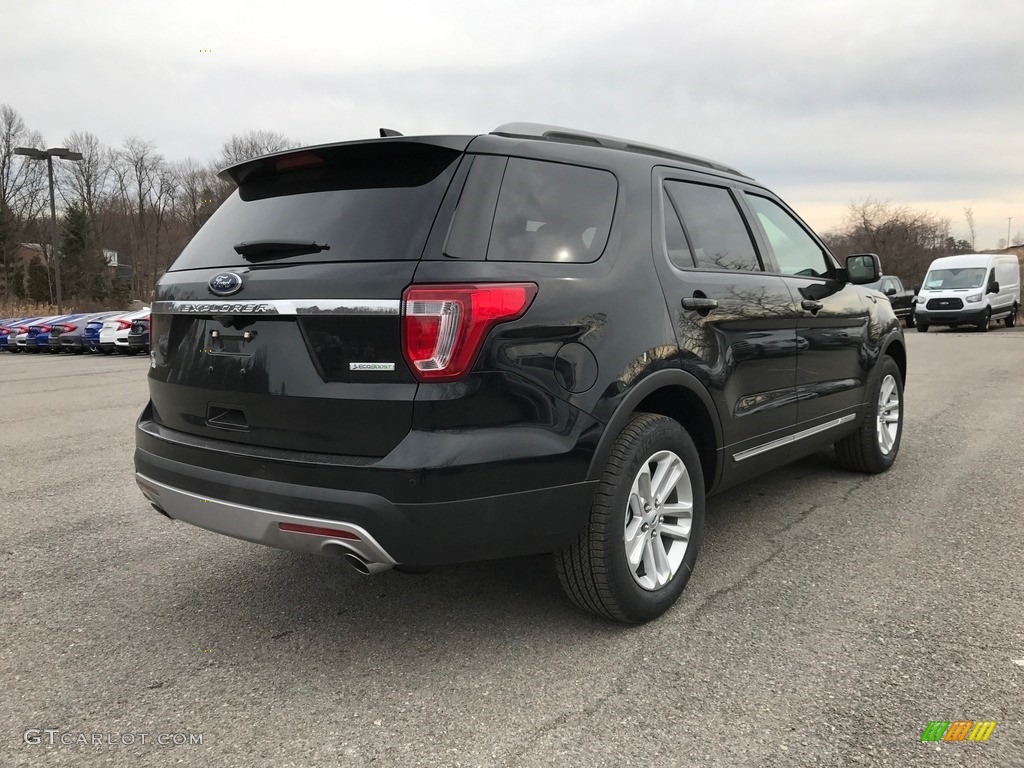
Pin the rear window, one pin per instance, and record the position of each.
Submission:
(532, 210)
(368, 202)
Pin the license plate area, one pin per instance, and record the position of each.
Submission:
(230, 344)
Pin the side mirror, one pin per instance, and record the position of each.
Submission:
(863, 268)
(993, 287)
(917, 289)
(890, 292)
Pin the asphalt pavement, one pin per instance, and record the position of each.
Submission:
(830, 618)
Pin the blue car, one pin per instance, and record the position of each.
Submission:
(91, 335)
(38, 338)
(70, 337)
(18, 328)
(5, 328)
(6, 325)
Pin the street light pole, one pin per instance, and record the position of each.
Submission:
(53, 234)
(48, 154)
(1008, 221)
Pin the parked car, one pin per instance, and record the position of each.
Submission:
(114, 332)
(17, 339)
(70, 336)
(91, 334)
(970, 289)
(38, 337)
(902, 299)
(138, 336)
(9, 324)
(16, 329)
(427, 350)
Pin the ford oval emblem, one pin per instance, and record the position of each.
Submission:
(225, 284)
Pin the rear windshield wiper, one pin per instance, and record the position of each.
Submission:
(266, 250)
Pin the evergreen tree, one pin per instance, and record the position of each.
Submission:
(10, 265)
(99, 284)
(75, 266)
(16, 280)
(38, 281)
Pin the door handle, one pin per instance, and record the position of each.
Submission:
(699, 305)
(811, 305)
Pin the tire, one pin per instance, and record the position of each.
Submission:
(595, 571)
(984, 324)
(911, 319)
(1011, 319)
(873, 447)
(922, 327)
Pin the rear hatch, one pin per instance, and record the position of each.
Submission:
(279, 324)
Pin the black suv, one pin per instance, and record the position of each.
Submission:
(424, 350)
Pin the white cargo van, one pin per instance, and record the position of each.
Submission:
(970, 289)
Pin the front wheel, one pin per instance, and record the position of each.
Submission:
(922, 327)
(873, 447)
(911, 319)
(646, 523)
(983, 325)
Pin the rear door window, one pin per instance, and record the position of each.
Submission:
(544, 212)
(717, 234)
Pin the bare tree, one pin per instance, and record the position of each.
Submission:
(144, 187)
(906, 239)
(969, 216)
(252, 144)
(22, 182)
(87, 181)
(22, 191)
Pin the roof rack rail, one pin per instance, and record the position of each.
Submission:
(571, 136)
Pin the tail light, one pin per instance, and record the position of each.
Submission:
(45, 329)
(69, 328)
(443, 326)
(123, 325)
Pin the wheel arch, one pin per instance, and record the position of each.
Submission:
(680, 396)
(895, 348)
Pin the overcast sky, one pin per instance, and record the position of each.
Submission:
(825, 101)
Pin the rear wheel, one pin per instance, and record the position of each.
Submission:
(646, 524)
(873, 447)
(1011, 319)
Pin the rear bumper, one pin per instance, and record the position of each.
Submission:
(262, 526)
(248, 498)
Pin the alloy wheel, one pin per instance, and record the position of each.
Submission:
(659, 516)
(888, 414)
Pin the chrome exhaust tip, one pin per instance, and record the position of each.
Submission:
(364, 567)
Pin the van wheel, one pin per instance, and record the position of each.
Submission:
(637, 552)
(983, 325)
(1011, 319)
(873, 447)
(922, 327)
